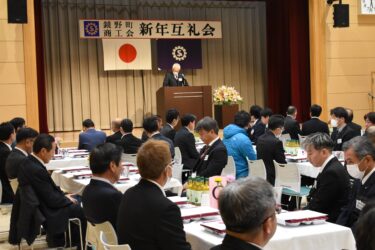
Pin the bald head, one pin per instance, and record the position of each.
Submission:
(116, 124)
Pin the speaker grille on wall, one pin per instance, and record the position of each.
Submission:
(17, 11)
(340, 15)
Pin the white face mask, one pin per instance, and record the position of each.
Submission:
(354, 171)
(334, 123)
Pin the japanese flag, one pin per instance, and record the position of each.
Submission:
(127, 54)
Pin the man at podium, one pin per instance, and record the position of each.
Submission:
(175, 78)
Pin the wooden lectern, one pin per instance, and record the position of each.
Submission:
(195, 100)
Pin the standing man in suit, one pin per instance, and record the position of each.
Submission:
(185, 140)
(116, 136)
(147, 219)
(175, 78)
(100, 198)
(315, 125)
(342, 133)
(360, 158)
(172, 117)
(258, 128)
(90, 137)
(331, 189)
(247, 207)
(25, 139)
(213, 156)
(7, 137)
(357, 128)
(291, 125)
(270, 148)
(129, 142)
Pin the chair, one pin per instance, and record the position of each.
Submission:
(93, 235)
(76, 221)
(132, 158)
(301, 139)
(177, 155)
(257, 168)
(177, 171)
(107, 246)
(14, 184)
(230, 168)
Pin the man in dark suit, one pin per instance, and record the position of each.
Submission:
(213, 156)
(115, 138)
(360, 158)
(147, 219)
(100, 198)
(18, 123)
(331, 189)
(56, 207)
(291, 125)
(185, 140)
(175, 78)
(342, 132)
(129, 142)
(7, 136)
(357, 128)
(270, 148)
(90, 137)
(314, 125)
(171, 118)
(258, 128)
(25, 139)
(247, 207)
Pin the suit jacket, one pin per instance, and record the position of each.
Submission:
(331, 191)
(7, 196)
(15, 159)
(100, 202)
(213, 161)
(171, 81)
(232, 243)
(114, 138)
(130, 144)
(291, 127)
(186, 142)
(343, 136)
(360, 192)
(149, 220)
(314, 125)
(357, 128)
(256, 130)
(168, 132)
(90, 138)
(159, 136)
(269, 148)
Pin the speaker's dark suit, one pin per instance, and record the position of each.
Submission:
(168, 132)
(161, 137)
(90, 138)
(100, 202)
(256, 130)
(171, 81)
(186, 142)
(314, 125)
(291, 127)
(8, 195)
(343, 136)
(14, 160)
(269, 148)
(211, 161)
(360, 192)
(130, 144)
(149, 220)
(331, 191)
(232, 243)
(357, 128)
(114, 138)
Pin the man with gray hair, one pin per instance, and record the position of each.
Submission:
(331, 188)
(360, 160)
(175, 78)
(247, 207)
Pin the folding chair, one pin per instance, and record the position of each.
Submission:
(108, 246)
(257, 168)
(230, 168)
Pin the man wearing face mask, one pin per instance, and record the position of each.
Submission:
(175, 78)
(270, 148)
(360, 159)
(341, 131)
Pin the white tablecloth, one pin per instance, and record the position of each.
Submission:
(307, 169)
(67, 162)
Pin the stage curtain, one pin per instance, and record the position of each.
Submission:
(78, 88)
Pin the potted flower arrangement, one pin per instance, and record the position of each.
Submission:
(226, 99)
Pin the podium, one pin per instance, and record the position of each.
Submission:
(195, 100)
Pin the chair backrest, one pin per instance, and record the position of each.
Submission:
(257, 168)
(230, 168)
(93, 234)
(177, 171)
(107, 246)
(129, 158)
(301, 138)
(284, 138)
(288, 176)
(14, 184)
(177, 155)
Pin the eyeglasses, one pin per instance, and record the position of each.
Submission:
(171, 164)
(277, 211)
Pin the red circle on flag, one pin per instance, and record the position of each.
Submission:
(127, 53)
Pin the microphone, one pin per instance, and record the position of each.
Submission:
(183, 79)
(370, 95)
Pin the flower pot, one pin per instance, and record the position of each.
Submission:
(224, 114)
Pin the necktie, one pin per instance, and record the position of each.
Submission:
(206, 148)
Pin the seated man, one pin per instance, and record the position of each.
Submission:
(356, 127)
(315, 125)
(171, 118)
(100, 198)
(25, 139)
(270, 148)
(291, 125)
(259, 128)
(90, 137)
(185, 140)
(128, 141)
(56, 207)
(247, 207)
(213, 156)
(116, 136)
(331, 188)
(369, 119)
(147, 219)
(342, 132)
(238, 143)
(18, 123)
(360, 158)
